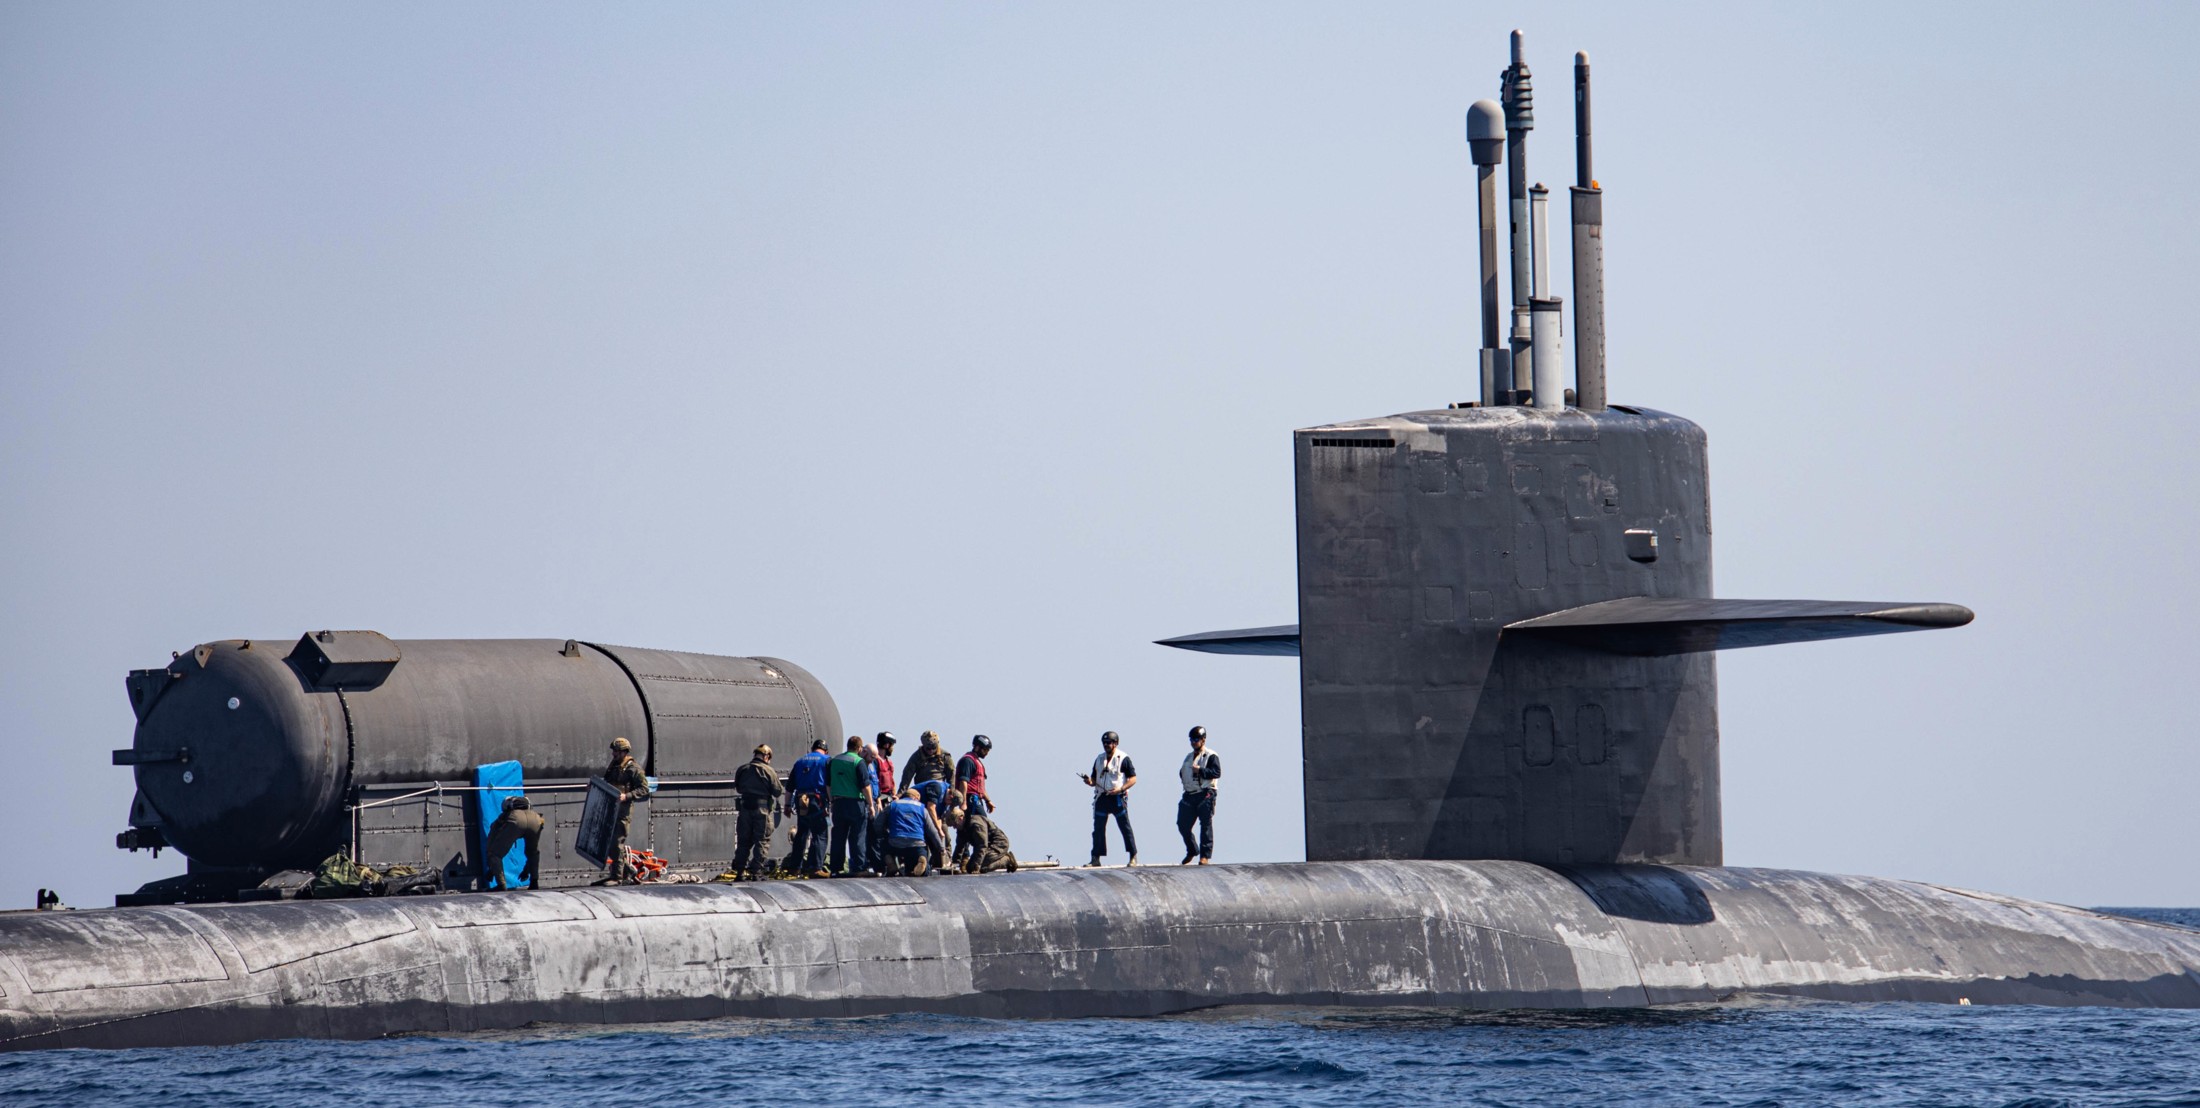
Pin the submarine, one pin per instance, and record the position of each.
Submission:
(1506, 641)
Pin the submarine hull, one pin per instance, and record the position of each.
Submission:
(1487, 935)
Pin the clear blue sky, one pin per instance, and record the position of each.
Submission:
(953, 353)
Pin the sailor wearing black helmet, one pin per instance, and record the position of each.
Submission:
(970, 775)
(1111, 779)
(1201, 769)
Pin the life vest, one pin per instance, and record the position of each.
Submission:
(1188, 773)
(972, 781)
(905, 820)
(846, 774)
(809, 772)
(1107, 771)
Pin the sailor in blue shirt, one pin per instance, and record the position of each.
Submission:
(909, 831)
(806, 799)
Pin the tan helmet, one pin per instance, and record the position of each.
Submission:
(621, 745)
(764, 752)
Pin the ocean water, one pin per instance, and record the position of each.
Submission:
(1745, 1053)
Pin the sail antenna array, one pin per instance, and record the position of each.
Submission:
(1517, 97)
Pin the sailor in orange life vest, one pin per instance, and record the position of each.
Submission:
(1201, 769)
(1111, 779)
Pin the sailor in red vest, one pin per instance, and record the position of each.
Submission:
(970, 775)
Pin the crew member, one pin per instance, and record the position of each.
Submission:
(970, 775)
(929, 763)
(519, 823)
(1111, 779)
(884, 744)
(625, 775)
(807, 805)
(980, 844)
(852, 796)
(879, 792)
(908, 827)
(1201, 769)
(760, 792)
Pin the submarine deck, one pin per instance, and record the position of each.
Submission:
(1079, 942)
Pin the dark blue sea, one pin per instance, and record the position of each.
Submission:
(1741, 1054)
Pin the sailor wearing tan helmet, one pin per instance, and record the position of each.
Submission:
(758, 785)
(625, 775)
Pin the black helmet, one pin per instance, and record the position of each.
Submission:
(981, 744)
(1197, 733)
(885, 737)
(1110, 737)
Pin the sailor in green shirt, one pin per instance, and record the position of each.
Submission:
(853, 785)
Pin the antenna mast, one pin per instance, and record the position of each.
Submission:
(1588, 256)
(1518, 97)
(1486, 142)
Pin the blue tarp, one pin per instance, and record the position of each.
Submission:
(496, 781)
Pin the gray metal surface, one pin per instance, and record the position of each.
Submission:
(1486, 146)
(1503, 620)
(454, 704)
(1428, 734)
(1069, 943)
(1652, 626)
(707, 712)
(1588, 223)
(1273, 642)
(1547, 320)
(273, 755)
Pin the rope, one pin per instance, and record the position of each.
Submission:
(439, 789)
